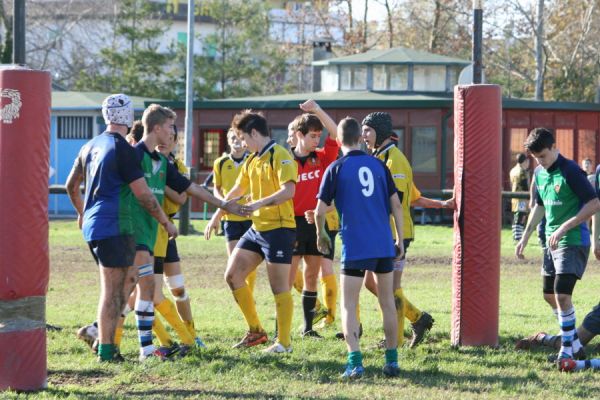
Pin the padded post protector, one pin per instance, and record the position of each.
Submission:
(477, 219)
(25, 100)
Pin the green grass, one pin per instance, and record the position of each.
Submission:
(433, 370)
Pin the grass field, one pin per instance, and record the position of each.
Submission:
(433, 370)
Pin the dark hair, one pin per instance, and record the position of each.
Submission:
(248, 120)
(539, 139)
(137, 131)
(521, 157)
(306, 123)
(351, 131)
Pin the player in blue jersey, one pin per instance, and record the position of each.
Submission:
(111, 173)
(364, 194)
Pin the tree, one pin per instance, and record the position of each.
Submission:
(131, 62)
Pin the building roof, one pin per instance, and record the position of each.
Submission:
(396, 55)
(88, 101)
(371, 99)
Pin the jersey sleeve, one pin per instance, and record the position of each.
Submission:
(415, 194)
(285, 167)
(128, 162)
(579, 184)
(330, 151)
(175, 180)
(327, 189)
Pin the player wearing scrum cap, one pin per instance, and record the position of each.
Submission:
(111, 173)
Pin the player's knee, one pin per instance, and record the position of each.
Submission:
(229, 278)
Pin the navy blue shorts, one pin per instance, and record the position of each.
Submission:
(159, 265)
(331, 254)
(172, 255)
(114, 252)
(143, 247)
(359, 267)
(275, 245)
(234, 230)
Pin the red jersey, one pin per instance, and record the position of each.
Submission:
(310, 172)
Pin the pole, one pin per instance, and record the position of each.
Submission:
(184, 214)
(477, 40)
(19, 32)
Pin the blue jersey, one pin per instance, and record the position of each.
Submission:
(361, 186)
(109, 164)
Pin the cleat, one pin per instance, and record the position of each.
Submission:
(184, 350)
(320, 314)
(117, 359)
(353, 373)
(169, 351)
(420, 328)
(530, 342)
(566, 365)
(391, 369)
(155, 355)
(88, 334)
(311, 334)
(580, 355)
(199, 343)
(340, 335)
(251, 339)
(277, 348)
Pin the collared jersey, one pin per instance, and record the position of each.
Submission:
(261, 176)
(361, 187)
(170, 208)
(310, 173)
(158, 173)
(109, 165)
(225, 172)
(563, 189)
(402, 174)
(519, 182)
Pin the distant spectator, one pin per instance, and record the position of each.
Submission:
(519, 180)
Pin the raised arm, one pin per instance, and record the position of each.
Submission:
(311, 106)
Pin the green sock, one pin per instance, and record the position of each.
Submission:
(354, 358)
(106, 352)
(391, 355)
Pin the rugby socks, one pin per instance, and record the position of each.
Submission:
(549, 340)
(298, 281)
(410, 311)
(593, 363)
(106, 352)
(568, 334)
(391, 355)
(330, 291)
(251, 280)
(190, 327)
(309, 299)
(355, 359)
(120, 323)
(161, 333)
(284, 305)
(399, 300)
(167, 309)
(144, 318)
(245, 300)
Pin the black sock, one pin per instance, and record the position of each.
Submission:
(309, 301)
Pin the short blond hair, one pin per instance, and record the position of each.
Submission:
(156, 114)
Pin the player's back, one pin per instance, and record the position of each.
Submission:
(362, 195)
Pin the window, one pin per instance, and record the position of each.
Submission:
(390, 77)
(564, 142)
(329, 79)
(424, 149)
(586, 143)
(210, 147)
(75, 128)
(353, 77)
(429, 78)
(400, 133)
(453, 74)
(517, 140)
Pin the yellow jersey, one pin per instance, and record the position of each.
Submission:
(170, 208)
(225, 172)
(333, 220)
(261, 176)
(402, 174)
